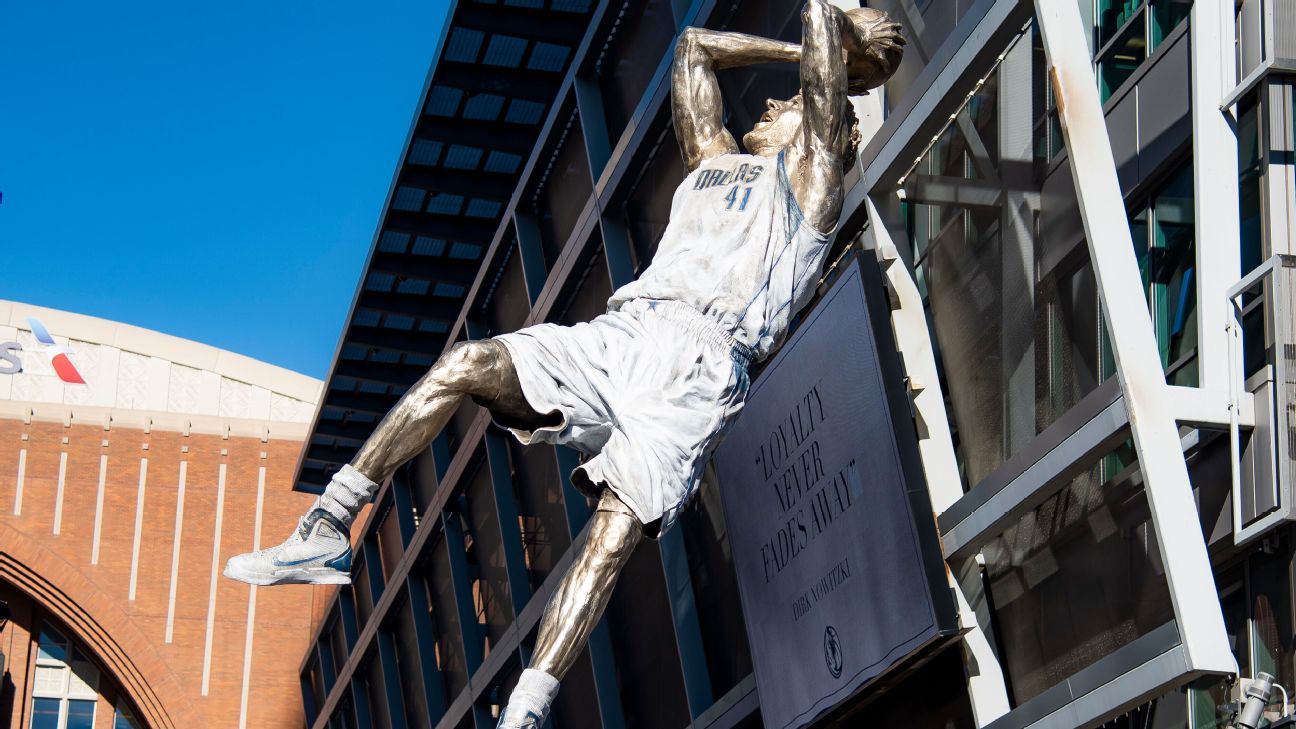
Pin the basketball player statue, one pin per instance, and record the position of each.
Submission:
(647, 389)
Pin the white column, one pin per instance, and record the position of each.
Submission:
(1215, 188)
(215, 575)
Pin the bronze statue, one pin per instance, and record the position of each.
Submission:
(647, 389)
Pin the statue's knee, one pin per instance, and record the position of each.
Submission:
(619, 536)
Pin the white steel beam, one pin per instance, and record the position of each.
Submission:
(1215, 195)
(1147, 397)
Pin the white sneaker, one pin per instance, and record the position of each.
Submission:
(317, 553)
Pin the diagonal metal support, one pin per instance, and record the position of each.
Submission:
(1148, 400)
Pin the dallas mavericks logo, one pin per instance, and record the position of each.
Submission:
(833, 652)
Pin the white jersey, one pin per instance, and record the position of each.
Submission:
(737, 249)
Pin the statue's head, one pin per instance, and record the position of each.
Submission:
(874, 51)
(781, 122)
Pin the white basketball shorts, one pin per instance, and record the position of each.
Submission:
(646, 390)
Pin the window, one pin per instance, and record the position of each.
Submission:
(628, 64)
(66, 689)
(1010, 294)
(1164, 244)
(1126, 32)
(124, 718)
(1076, 578)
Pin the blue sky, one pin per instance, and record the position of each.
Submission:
(210, 170)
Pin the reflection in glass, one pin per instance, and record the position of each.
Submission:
(647, 206)
(630, 59)
(408, 669)
(715, 587)
(45, 714)
(563, 191)
(445, 620)
(1013, 311)
(927, 23)
(490, 588)
(1119, 60)
(541, 515)
(80, 714)
(1076, 579)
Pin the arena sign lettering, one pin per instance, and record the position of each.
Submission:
(11, 363)
(838, 563)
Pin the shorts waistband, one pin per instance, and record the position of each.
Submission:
(696, 323)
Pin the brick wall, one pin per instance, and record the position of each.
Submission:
(208, 630)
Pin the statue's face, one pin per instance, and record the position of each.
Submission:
(777, 127)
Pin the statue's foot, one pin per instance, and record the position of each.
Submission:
(317, 553)
(530, 702)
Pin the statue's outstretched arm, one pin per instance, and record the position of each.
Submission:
(817, 158)
(830, 40)
(695, 92)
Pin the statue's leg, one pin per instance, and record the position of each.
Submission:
(574, 609)
(481, 369)
(319, 550)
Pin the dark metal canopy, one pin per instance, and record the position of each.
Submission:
(497, 71)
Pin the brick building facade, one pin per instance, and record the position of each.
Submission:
(120, 500)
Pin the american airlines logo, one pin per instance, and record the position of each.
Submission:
(10, 364)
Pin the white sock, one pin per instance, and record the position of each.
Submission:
(346, 493)
(532, 697)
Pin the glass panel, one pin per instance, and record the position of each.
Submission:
(315, 679)
(124, 719)
(1015, 329)
(45, 714)
(485, 549)
(632, 55)
(563, 192)
(445, 621)
(1174, 285)
(360, 581)
(1271, 615)
(1250, 185)
(409, 669)
(1112, 15)
(572, 707)
(509, 303)
(652, 688)
(542, 517)
(1166, 16)
(51, 680)
(647, 207)
(1118, 62)
(390, 544)
(81, 714)
(715, 587)
(337, 639)
(927, 23)
(52, 646)
(378, 695)
(586, 293)
(1076, 578)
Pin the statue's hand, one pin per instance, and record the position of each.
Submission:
(873, 47)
